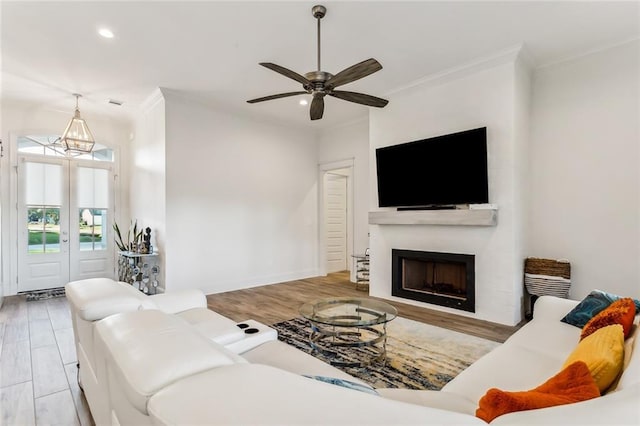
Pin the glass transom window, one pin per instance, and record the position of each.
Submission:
(50, 146)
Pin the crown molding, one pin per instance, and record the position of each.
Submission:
(587, 53)
(512, 54)
(152, 100)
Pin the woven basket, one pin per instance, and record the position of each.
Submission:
(556, 268)
(547, 277)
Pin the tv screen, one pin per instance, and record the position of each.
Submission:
(444, 170)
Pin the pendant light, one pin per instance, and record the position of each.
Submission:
(77, 136)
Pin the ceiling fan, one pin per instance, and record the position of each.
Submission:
(320, 83)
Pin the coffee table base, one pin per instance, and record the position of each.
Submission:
(328, 338)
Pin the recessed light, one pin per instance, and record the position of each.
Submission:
(105, 32)
(303, 102)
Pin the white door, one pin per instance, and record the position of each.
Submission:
(335, 214)
(43, 218)
(91, 241)
(64, 222)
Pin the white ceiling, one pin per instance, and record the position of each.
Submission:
(210, 50)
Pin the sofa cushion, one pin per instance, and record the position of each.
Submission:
(148, 350)
(547, 336)
(252, 394)
(603, 352)
(429, 398)
(553, 308)
(631, 366)
(178, 301)
(622, 311)
(573, 384)
(508, 367)
(286, 357)
(595, 302)
(98, 298)
(212, 325)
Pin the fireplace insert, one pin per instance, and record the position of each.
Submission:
(445, 279)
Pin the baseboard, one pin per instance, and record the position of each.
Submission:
(260, 281)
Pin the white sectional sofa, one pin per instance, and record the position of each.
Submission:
(169, 360)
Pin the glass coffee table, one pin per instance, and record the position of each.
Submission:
(338, 324)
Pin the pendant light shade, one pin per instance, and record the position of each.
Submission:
(77, 136)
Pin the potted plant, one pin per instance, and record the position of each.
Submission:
(134, 237)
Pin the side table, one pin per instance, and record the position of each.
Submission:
(140, 270)
(362, 271)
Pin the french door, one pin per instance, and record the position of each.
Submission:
(65, 212)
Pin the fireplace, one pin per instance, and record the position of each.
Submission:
(445, 279)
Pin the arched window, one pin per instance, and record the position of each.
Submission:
(50, 146)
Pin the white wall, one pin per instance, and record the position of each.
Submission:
(147, 187)
(20, 118)
(351, 142)
(585, 162)
(521, 196)
(241, 200)
(487, 97)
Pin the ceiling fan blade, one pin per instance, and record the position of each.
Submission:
(278, 96)
(286, 72)
(359, 98)
(317, 107)
(355, 72)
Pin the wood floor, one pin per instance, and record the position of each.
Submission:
(280, 302)
(38, 374)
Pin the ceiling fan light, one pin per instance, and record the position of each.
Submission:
(303, 102)
(77, 136)
(105, 32)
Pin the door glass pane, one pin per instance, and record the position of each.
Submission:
(92, 232)
(43, 229)
(43, 184)
(93, 187)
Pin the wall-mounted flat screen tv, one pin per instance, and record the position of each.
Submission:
(441, 171)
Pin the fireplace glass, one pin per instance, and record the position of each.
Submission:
(446, 279)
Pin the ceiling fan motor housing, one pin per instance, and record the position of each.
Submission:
(318, 80)
(319, 11)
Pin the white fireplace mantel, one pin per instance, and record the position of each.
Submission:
(461, 217)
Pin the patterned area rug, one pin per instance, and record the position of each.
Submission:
(44, 294)
(419, 356)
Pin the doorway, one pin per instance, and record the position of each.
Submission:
(336, 218)
(65, 216)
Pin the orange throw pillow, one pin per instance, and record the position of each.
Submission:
(622, 311)
(573, 384)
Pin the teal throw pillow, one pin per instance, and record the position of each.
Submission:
(591, 305)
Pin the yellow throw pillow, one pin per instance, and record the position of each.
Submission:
(628, 350)
(603, 352)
